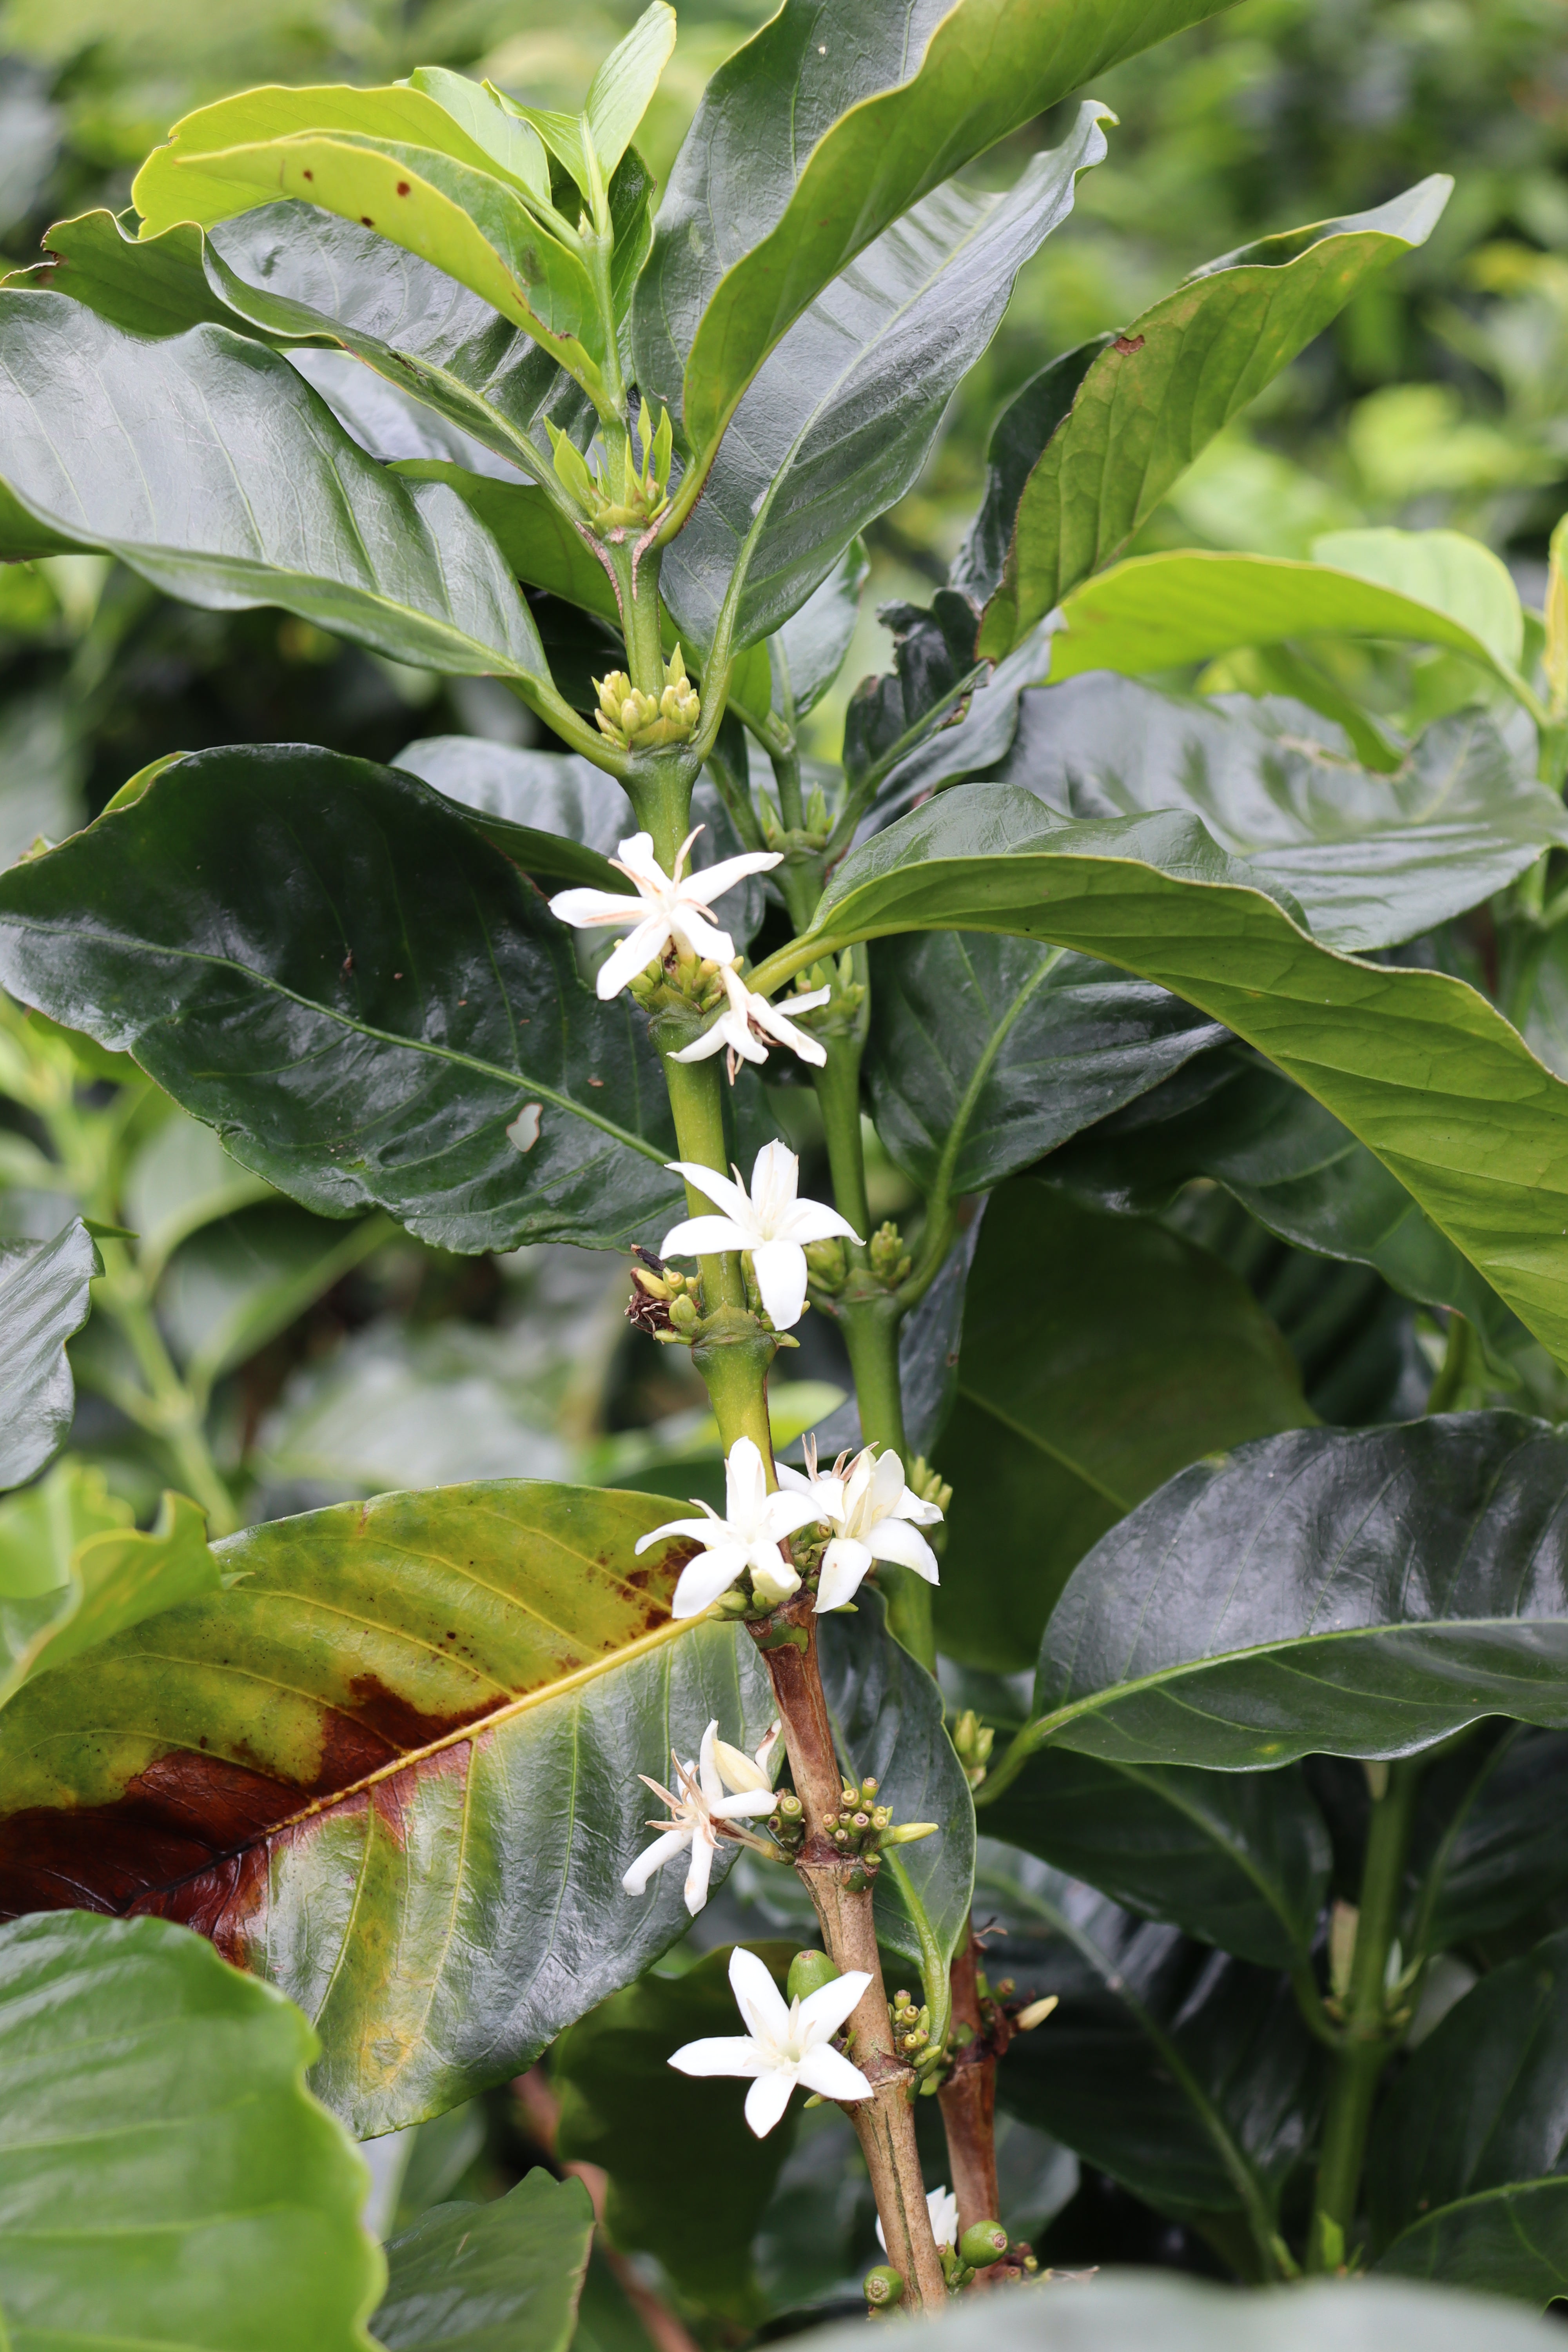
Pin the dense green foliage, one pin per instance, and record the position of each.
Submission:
(438, 480)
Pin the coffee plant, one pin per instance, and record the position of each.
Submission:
(1138, 1720)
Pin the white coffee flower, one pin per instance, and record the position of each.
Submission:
(769, 1222)
(784, 2046)
(872, 1516)
(698, 1814)
(750, 1023)
(747, 1537)
(668, 907)
(942, 2207)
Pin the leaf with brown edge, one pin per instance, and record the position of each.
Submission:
(393, 1770)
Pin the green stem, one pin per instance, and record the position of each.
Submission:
(659, 789)
(1455, 1369)
(1368, 2041)
(640, 617)
(699, 1106)
(837, 1085)
(935, 1978)
(176, 1416)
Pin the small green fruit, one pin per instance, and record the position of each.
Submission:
(983, 2244)
(884, 2286)
(808, 1973)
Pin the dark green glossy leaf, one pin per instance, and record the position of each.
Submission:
(541, 546)
(625, 2107)
(561, 819)
(1152, 397)
(1490, 1840)
(164, 2178)
(986, 1052)
(1158, 611)
(1361, 1592)
(842, 417)
(809, 651)
(1100, 1355)
(1380, 1047)
(291, 271)
(1290, 1163)
(393, 1769)
(207, 465)
(1467, 2170)
(887, 1715)
(72, 1573)
(834, 119)
(362, 1023)
(44, 1297)
(501, 2277)
(1018, 439)
(1181, 2071)
(1371, 859)
(1237, 1859)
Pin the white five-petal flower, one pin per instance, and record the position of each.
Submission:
(942, 2207)
(748, 1013)
(768, 1221)
(871, 1514)
(668, 907)
(784, 2046)
(747, 1537)
(699, 1813)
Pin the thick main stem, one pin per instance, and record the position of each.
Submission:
(1368, 2043)
(885, 2122)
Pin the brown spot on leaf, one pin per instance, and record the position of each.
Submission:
(1127, 343)
(403, 187)
(366, 220)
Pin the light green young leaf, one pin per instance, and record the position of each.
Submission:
(619, 92)
(110, 1577)
(1161, 612)
(513, 146)
(1153, 397)
(1444, 568)
(452, 214)
(164, 2177)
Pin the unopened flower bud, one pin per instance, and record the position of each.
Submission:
(883, 2286)
(740, 1774)
(790, 1807)
(983, 2244)
(829, 1266)
(1036, 2015)
(906, 1832)
(683, 1314)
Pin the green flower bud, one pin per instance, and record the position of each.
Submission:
(883, 2286)
(829, 1266)
(683, 1314)
(808, 1973)
(983, 2244)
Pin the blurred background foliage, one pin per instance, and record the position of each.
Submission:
(265, 1359)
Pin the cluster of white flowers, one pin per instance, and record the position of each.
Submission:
(673, 909)
(863, 1502)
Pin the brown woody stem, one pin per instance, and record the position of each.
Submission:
(968, 2097)
(884, 2123)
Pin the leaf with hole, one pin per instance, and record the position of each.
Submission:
(349, 1061)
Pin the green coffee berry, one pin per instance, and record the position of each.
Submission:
(983, 2243)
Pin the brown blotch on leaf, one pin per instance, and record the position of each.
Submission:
(1127, 343)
